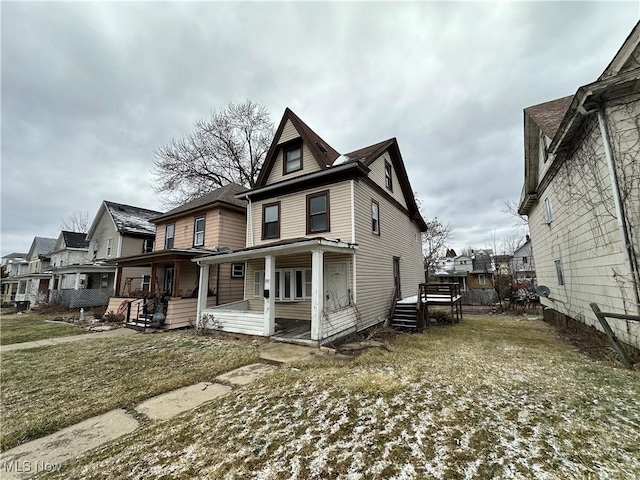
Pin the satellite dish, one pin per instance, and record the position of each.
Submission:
(543, 291)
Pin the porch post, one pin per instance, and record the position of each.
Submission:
(270, 290)
(176, 279)
(317, 293)
(153, 280)
(76, 286)
(118, 279)
(203, 290)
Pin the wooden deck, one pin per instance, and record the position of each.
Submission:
(293, 331)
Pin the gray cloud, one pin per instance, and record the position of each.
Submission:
(90, 90)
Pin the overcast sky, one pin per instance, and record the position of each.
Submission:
(90, 90)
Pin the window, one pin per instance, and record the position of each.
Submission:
(375, 217)
(293, 159)
(109, 246)
(198, 232)
(258, 283)
(318, 212)
(524, 260)
(548, 209)
(147, 245)
(271, 221)
(146, 283)
(168, 237)
(559, 272)
(388, 179)
(482, 279)
(22, 287)
(237, 270)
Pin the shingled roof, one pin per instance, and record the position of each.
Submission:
(75, 239)
(132, 220)
(224, 194)
(548, 116)
(367, 155)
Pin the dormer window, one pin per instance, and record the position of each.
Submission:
(388, 179)
(293, 159)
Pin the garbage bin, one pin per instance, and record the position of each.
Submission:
(22, 305)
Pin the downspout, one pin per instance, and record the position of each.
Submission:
(249, 236)
(353, 240)
(617, 200)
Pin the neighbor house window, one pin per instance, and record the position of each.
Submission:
(388, 179)
(318, 212)
(198, 232)
(548, 209)
(481, 279)
(375, 217)
(293, 159)
(559, 272)
(271, 221)
(146, 283)
(170, 231)
(237, 270)
(147, 245)
(109, 246)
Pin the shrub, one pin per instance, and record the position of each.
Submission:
(112, 317)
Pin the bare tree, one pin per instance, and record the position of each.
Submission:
(434, 243)
(78, 221)
(228, 147)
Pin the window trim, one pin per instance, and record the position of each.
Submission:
(264, 230)
(388, 175)
(258, 279)
(289, 148)
(196, 232)
(233, 272)
(326, 194)
(167, 237)
(147, 283)
(377, 204)
(279, 287)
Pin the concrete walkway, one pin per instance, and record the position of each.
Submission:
(48, 453)
(117, 332)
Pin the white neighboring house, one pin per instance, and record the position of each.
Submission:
(523, 267)
(14, 264)
(582, 195)
(33, 286)
(455, 270)
(332, 241)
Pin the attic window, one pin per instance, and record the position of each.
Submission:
(293, 159)
(388, 179)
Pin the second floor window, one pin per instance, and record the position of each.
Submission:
(293, 159)
(318, 212)
(271, 221)
(388, 179)
(168, 238)
(109, 246)
(198, 232)
(548, 209)
(375, 217)
(147, 245)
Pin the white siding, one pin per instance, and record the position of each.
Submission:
(377, 175)
(104, 230)
(309, 165)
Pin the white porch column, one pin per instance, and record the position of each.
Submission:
(270, 289)
(317, 293)
(203, 291)
(76, 286)
(464, 284)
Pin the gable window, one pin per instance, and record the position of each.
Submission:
(524, 260)
(271, 221)
(318, 212)
(388, 178)
(481, 279)
(375, 217)
(147, 245)
(292, 159)
(237, 270)
(170, 231)
(198, 232)
(109, 246)
(548, 209)
(559, 272)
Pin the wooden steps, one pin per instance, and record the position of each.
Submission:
(405, 316)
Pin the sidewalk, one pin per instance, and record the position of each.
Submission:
(118, 332)
(48, 453)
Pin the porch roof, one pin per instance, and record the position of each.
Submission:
(284, 247)
(80, 268)
(171, 255)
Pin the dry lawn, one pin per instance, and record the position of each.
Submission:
(49, 388)
(492, 397)
(28, 327)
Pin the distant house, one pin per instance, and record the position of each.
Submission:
(213, 223)
(33, 286)
(473, 272)
(14, 264)
(455, 270)
(523, 267)
(581, 195)
(332, 241)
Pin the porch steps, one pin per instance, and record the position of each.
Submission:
(405, 316)
(143, 321)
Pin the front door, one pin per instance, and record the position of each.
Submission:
(168, 281)
(336, 285)
(396, 275)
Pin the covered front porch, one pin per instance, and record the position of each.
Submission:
(298, 291)
(76, 286)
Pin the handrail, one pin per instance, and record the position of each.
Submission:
(394, 301)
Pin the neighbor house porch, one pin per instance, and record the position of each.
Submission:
(299, 291)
